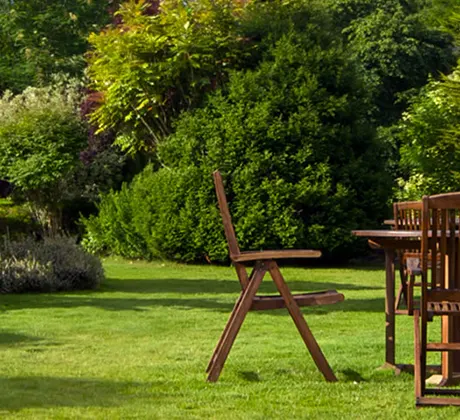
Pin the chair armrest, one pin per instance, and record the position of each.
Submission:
(275, 255)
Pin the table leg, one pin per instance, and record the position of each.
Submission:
(389, 308)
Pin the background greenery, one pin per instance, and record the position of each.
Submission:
(319, 114)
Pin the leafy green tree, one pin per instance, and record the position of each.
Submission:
(151, 67)
(39, 38)
(429, 134)
(41, 135)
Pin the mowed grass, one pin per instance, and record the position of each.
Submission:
(138, 348)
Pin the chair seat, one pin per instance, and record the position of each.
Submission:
(444, 308)
(302, 299)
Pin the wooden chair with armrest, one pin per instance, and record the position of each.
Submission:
(440, 295)
(265, 261)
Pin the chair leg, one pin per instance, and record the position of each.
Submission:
(423, 345)
(410, 295)
(417, 373)
(399, 296)
(402, 292)
(299, 320)
(224, 333)
(230, 321)
(234, 324)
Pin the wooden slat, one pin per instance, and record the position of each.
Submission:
(457, 257)
(391, 234)
(225, 213)
(445, 201)
(433, 245)
(441, 295)
(275, 255)
(442, 247)
(306, 299)
(442, 346)
(451, 252)
(411, 205)
(242, 275)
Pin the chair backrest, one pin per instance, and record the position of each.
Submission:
(440, 237)
(407, 215)
(225, 213)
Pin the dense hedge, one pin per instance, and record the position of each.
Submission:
(292, 139)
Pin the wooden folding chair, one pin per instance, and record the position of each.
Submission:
(407, 216)
(440, 295)
(265, 261)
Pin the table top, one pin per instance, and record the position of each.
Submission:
(399, 236)
(380, 233)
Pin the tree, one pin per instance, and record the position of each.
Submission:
(151, 67)
(41, 135)
(39, 38)
(429, 134)
(397, 46)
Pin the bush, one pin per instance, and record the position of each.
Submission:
(112, 230)
(54, 264)
(294, 144)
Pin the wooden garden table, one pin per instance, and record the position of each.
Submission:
(391, 241)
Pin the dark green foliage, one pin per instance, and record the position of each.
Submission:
(397, 47)
(50, 265)
(39, 38)
(113, 228)
(293, 142)
(15, 219)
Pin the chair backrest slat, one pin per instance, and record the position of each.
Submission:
(442, 211)
(407, 215)
(225, 213)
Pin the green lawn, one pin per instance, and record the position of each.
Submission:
(138, 348)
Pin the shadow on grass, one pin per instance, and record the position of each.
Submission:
(189, 286)
(182, 291)
(141, 305)
(46, 392)
(352, 376)
(250, 376)
(13, 339)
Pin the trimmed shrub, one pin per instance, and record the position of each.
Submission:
(294, 143)
(112, 229)
(54, 264)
